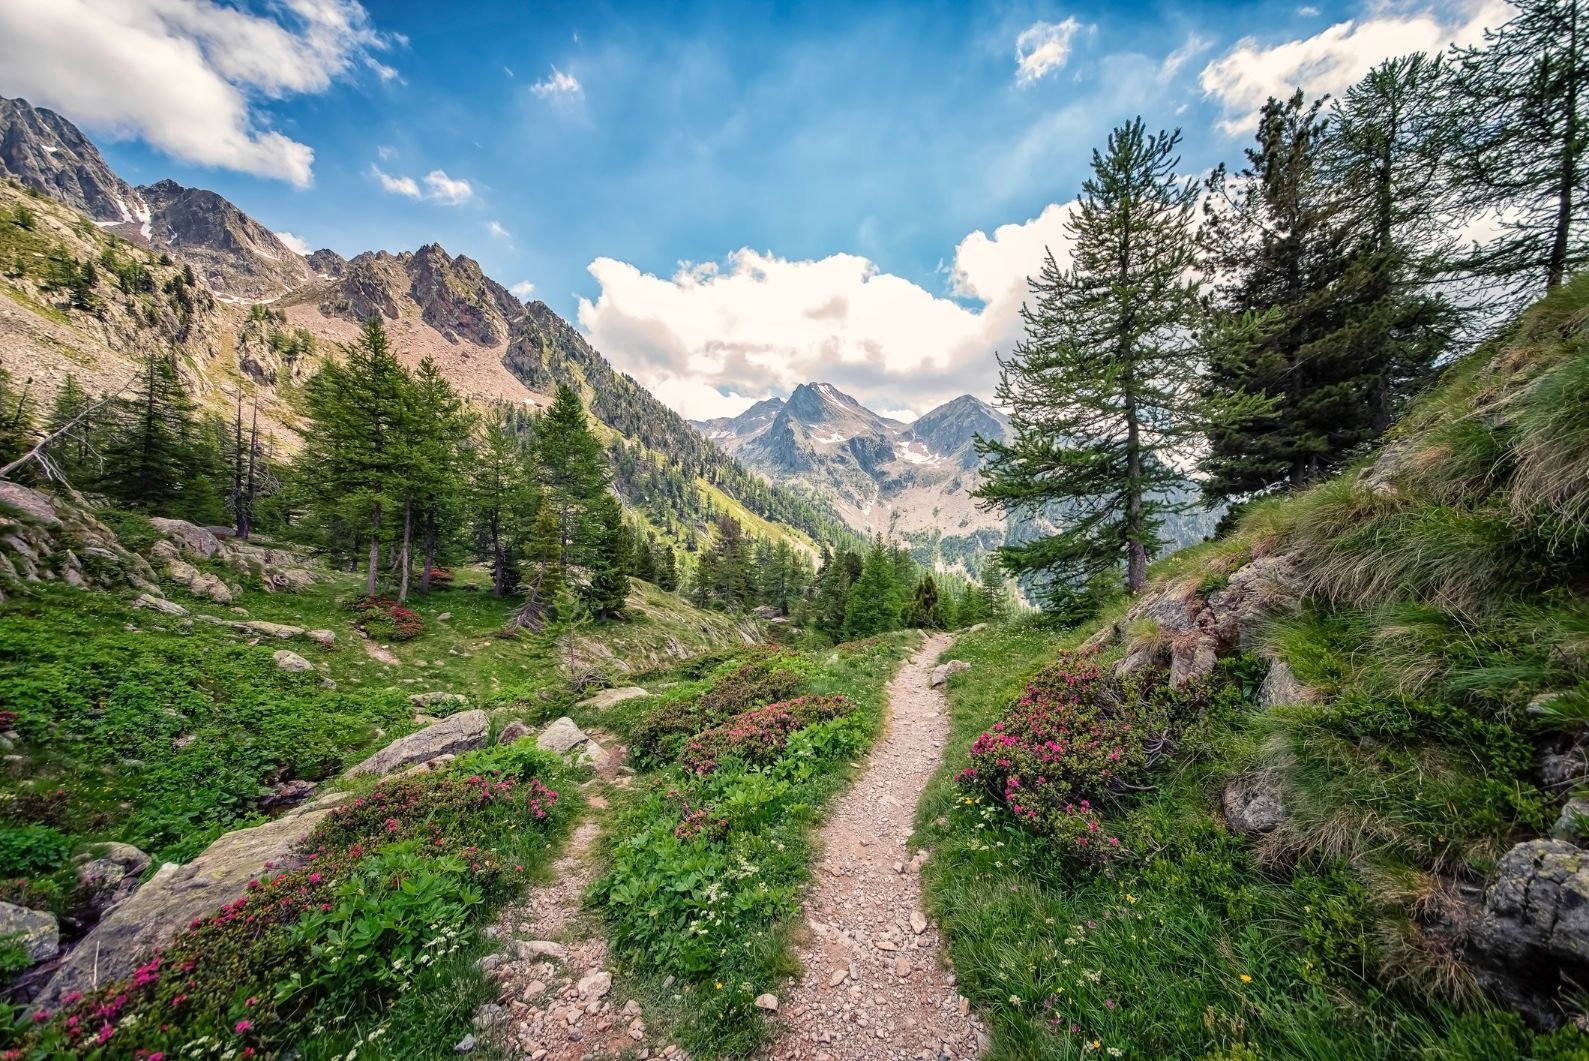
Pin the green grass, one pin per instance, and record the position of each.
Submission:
(1188, 946)
(716, 911)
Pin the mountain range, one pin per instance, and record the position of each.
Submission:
(881, 474)
(262, 314)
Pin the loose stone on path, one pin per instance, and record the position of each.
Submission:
(874, 988)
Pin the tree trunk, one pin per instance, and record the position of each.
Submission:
(239, 520)
(430, 552)
(402, 560)
(1556, 267)
(375, 553)
(247, 525)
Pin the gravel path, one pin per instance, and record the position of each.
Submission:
(874, 988)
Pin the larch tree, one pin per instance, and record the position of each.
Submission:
(1102, 389)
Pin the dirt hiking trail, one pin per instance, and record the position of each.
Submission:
(874, 988)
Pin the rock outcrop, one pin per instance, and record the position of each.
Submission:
(275, 570)
(612, 697)
(940, 674)
(170, 900)
(462, 732)
(34, 930)
(1533, 935)
(45, 539)
(565, 738)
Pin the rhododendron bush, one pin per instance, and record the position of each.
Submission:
(1075, 739)
(388, 884)
(758, 736)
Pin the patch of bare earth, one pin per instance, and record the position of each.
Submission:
(875, 987)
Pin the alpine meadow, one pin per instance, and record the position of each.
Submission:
(947, 533)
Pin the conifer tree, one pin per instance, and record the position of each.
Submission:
(74, 451)
(545, 585)
(926, 609)
(1274, 233)
(153, 455)
(440, 423)
(1522, 142)
(574, 471)
(610, 559)
(872, 607)
(668, 569)
(501, 498)
(352, 453)
(1101, 388)
(16, 418)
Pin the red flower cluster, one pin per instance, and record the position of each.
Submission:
(759, 735)
(385, 619)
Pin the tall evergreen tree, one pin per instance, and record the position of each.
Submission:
(1101, 388)
(353, 450)
(154, 456)
(873, 606)
(545, 583)
(1522, 142)
(610, 559)
(926, 605)
(502, 499)
(440, 422)
(73, 452)
(1274, 233)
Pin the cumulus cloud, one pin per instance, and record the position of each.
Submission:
(522, 289)
(296, 244)
(1043, 47)
(396, 185)
(496, 229)
(187, 76)
(558, 85)
(444, 189)
(1337, 57)
(715, 337)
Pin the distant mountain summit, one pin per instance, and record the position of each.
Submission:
(42, 150)
(881, 473)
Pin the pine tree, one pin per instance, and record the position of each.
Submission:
(926, 608)
(153, 456)
(358, 413)
(16, 418)
(1385, 160)
(668, 569)
(1100, 390)
(872, 607)
(993, 594)
(1274, 231)
(440, 423)
(501, 498)
(574, 472)
(1522, 142)
(73, 452)
(610, 560)
(545, 585)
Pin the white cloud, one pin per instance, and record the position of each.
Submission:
(186, 76)
(523, 289)
(1043, 47)
(496, 229)
(438, 188)
(1308, 11)
(558, 85)
(396, 185)
(1194, 46)
(1337, 57)
(296, 244)
(386, 152)
(444, 189)
(713, 338)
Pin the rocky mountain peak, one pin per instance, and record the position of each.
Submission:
(453, 294)
(44, 151)
(237, 256)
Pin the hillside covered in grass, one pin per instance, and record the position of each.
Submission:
(1315, 792)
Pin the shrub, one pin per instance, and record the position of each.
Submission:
(758, 736)
(388, 884)
(661, 736)
(441, 578)
(386, 620)
(27, 850)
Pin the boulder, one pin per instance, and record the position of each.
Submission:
(1570, 826)
(288, 794)
(264, 629)
(323, 638)
(462, 732)
(1192, 658)
(976, 628)
(1281, 688)
(421, 701)
(35, 930)
(1533, 934)
(159, 604)
(513, 732)
(610, 697)
(941, 673)
(111, 872)
(170, 900)
(291, 661)
(566, 739)
(1252, 807)
(195, 541)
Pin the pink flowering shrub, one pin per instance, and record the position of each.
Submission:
(759, 735)
(1075, 737)
(348, 922)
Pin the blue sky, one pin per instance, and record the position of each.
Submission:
(854, 151)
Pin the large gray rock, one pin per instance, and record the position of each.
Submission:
(424, 700)
(291, 661)
(1281, 687)
(462, 732)
(513, 732)
(1535, 922)
(1192, 658)
(111, 873)
(159, 604)
(35, 930)
(170, 900)
(564, 738)
(1252, 807)
(611, 697)
(190, 539)
(941, 673)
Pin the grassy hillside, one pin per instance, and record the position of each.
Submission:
(1302, 867)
